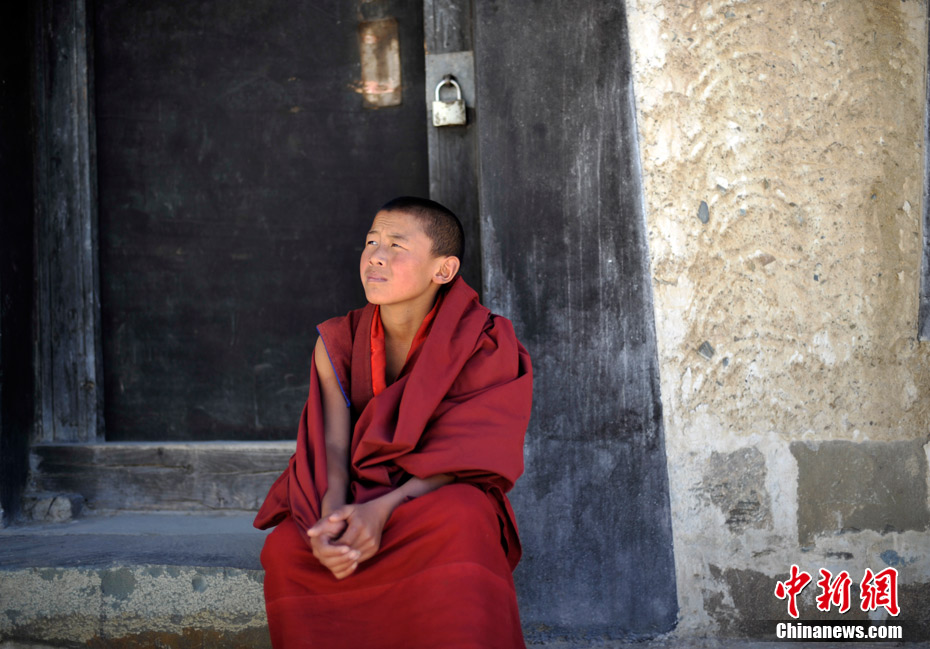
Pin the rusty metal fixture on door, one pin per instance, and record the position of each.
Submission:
(449, 113)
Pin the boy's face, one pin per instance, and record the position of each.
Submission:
(397, 264)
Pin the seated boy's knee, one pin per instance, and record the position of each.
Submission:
(465, 504)
(280, 545)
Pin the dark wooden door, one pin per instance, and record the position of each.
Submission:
(238, 167)
(565, 257)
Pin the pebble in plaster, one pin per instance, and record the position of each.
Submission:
(703, 213)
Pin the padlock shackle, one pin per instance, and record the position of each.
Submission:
(449, 80)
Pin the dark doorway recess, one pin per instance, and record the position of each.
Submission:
(565, 256)
(237, 171)
(16, 254)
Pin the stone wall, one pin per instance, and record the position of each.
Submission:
(782, 154)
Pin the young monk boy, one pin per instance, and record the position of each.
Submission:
(393, 530)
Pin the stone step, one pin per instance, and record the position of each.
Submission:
(152, 579)
(182, 580)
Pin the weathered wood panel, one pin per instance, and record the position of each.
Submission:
(453, 150)
(448, 25)
(565, 257)
(239, 169)
(69, 362)
(179, 476)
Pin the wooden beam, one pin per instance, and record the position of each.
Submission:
(69, 372)
(170, 476)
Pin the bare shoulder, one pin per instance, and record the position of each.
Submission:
(324, 368)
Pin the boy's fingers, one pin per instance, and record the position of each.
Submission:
(330, 550)
(325, 527)
(324, 547)
(340, 514)
(339, 563)
(350, 536)
(342, 574)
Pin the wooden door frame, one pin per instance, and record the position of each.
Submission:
(448, 34)
(68, 350)
(69, 427)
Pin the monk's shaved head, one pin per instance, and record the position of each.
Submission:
(438, 222)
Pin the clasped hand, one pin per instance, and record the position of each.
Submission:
(348, 536)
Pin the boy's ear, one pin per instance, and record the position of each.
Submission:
(447, 270)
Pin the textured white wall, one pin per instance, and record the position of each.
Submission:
(800, 125)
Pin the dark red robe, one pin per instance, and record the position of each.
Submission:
(442, 577)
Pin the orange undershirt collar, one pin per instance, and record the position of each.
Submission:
(378, 354)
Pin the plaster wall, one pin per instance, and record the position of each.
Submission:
(782, 157)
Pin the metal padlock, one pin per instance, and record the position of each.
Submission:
(449, 113)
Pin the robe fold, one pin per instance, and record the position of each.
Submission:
(442, 576)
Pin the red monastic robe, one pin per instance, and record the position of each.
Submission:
(442, 577)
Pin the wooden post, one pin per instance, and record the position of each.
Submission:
(69, 374)
(453, 150)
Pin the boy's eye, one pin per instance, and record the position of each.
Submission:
(395, 245)
(370, 242)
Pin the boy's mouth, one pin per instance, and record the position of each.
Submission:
(373, 277)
